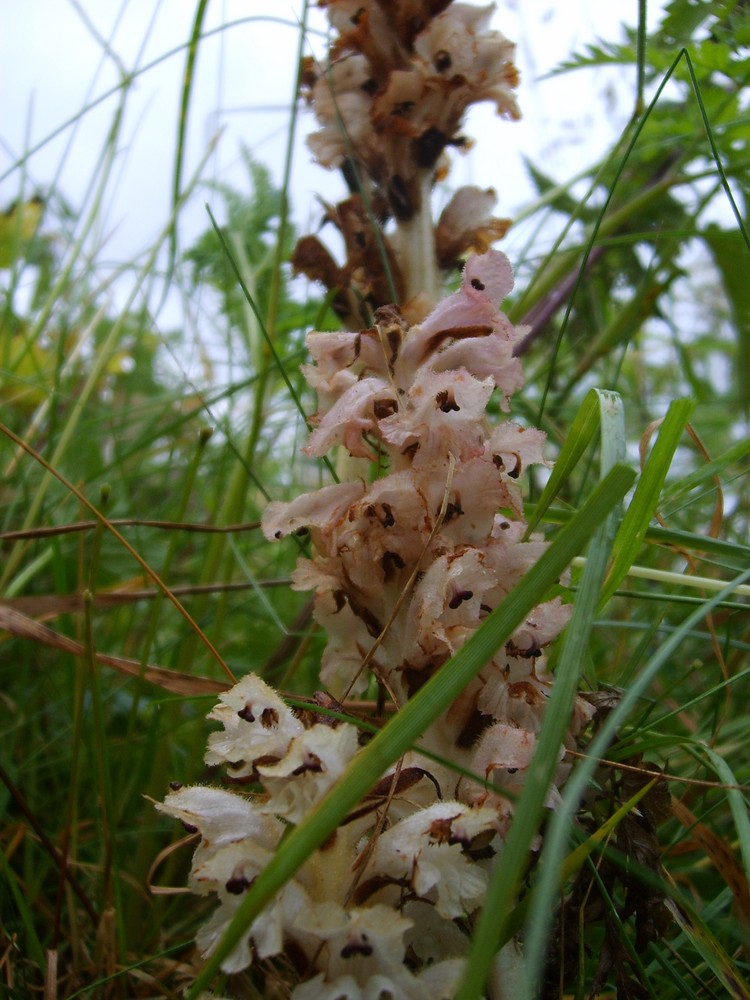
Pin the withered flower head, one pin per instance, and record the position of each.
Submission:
(390, 100)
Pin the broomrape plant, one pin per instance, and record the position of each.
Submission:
(510, 782)
(418, 542)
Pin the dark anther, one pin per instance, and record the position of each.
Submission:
(440, 830)
(269, 717)
(236, 885)
(428, 147)
(357, 16)
(246, 713)
(371, 623)
(389, 520)
(394, 342)
(391, 563)
(301, 532)
(442, 61)
(370, 87)
(459, 597)
(402, 108)
(175, 785)
(453, 510)
(384, 408)
(357, 948)
(446, 401)
(277, 534)
(311, 763)
(476, 283)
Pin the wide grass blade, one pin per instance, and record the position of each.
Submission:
(599, 408)
(641, 510)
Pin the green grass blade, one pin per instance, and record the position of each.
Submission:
(715, 150)
(703, 475)
(600, 408)
(533, 904)
(582, 429)
(187, 88)
(717, 548)
(646, 497)
(404, 730)
(737, 804)
(733, 262)
(18, 894)
(641, 58)
(256, 312)
(709, 948)
(67, 438)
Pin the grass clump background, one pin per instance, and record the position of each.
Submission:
(150, 412)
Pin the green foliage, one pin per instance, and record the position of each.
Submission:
(251, 230)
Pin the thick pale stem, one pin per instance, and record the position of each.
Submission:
(417, 246)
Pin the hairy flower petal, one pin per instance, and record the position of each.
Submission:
(444, 415)
(312, 764)
(426, 851)
(257, 724)
(320, 509)
(353, 414)
(220, 816)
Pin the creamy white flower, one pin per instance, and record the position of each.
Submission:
(363, 950)
(257, 724)
(443, 414)
(353, 414)
(315, 759)
(265, 936)
(412, 562)
(426, 852)
(220, 816)
(447, 601)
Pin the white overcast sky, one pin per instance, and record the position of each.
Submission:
(52, 64)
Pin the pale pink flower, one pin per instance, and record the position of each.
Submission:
(319, 510)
